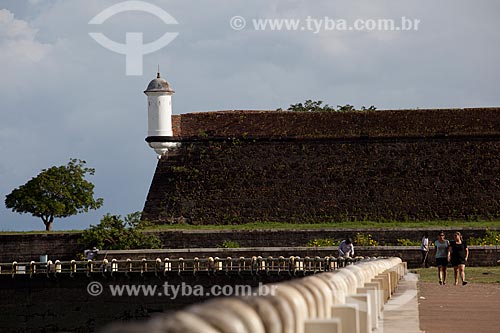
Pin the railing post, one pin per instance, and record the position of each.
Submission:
(180, 266)
(157, 265)
(72, 267)
(104, 265)
(196, 265)
(167, 266)
(261, 263)
(90, 267)
(114, 265)
(281, 264)
(229, 264)
(32, 267)
(241, 265)
(318, 264)
(129, 265)
(299, 264)
(217, 264)
(49, 266)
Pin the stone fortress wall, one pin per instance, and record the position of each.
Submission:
(235, 167)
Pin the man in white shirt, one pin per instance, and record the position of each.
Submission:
(346, 248)
(424, 249)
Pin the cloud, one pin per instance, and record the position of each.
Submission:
(17, 40)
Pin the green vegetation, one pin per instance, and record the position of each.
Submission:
(228, 244)
(37, 232)
(364, 240)
(336, 225)
(314, 226)
(491, 238)
(321, 242)
(360, 240)
(115, 233)
(408, 242)
(315, 106)
(56, 192)
(472, 274)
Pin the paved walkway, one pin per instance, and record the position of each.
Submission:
(430, 308)
(401, 311)
(471, 308)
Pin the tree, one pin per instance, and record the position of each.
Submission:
(310, 106)
(59, 191)
(115, 233)
(315, 106)
(345, 108)
(371, 108)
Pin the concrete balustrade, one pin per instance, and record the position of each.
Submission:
(345, 300)
(375, 299)
(364, 311)
(230, 315)
(378, 286)
(348, 315)
(271, 315)
(331, 325)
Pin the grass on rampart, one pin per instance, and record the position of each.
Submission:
(472, 274)
(39, 232)
(304, 226)
(336, 225)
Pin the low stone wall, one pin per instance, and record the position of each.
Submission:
(27, 247)
(62, 303)
(183, 239)
(65, 246)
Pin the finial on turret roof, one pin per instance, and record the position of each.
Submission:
(158, 73)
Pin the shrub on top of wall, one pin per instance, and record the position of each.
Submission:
(321, 242)
(491, 238)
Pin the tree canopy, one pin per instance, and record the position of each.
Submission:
(315, 106)
(115, 233)
(59, 191)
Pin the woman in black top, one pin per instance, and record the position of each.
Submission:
(458, 253)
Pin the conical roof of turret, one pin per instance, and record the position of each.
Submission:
(159, 85)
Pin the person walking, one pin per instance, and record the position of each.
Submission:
(424, 248)
(458, 254)
(441, 245)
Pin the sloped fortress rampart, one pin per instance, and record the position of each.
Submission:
(235, 167)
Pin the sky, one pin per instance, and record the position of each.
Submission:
(63, 95)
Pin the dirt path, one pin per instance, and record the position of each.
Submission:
(473, 308)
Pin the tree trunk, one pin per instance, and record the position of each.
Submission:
(48, 222)
(48, 226)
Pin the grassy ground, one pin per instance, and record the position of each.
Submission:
(299, 226)
(353, 225)
(472, 274)
(37, 232)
